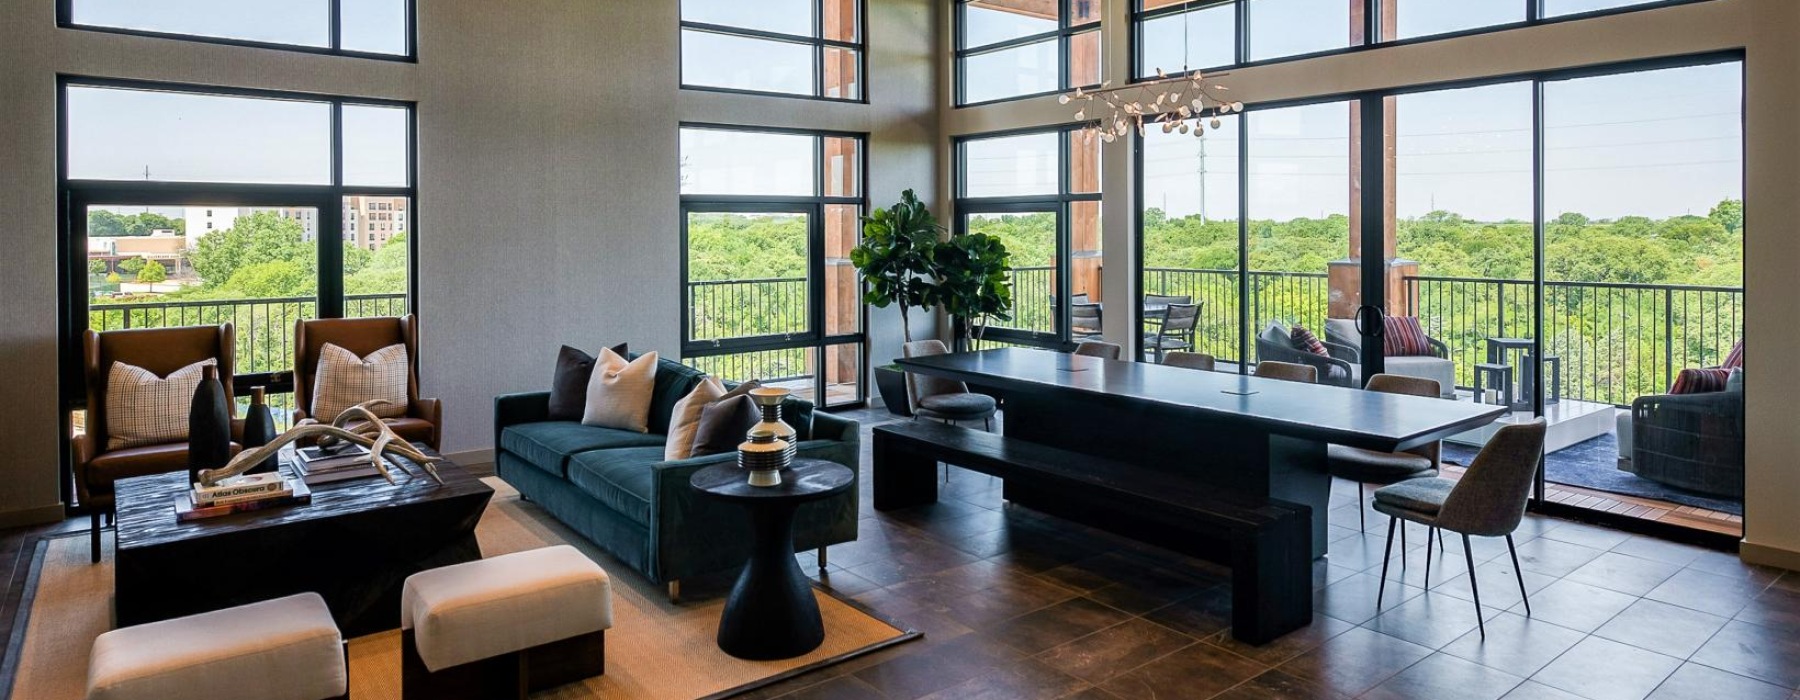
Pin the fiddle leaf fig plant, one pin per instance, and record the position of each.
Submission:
(895, 256)
(971, 282)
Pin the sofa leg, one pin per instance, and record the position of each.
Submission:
(675, 592)
(94, 537)
(821, 561)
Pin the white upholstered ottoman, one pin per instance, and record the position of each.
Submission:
(282, 649)
(505, 626)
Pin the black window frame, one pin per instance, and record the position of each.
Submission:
(1061, 202)
(1063, 35)
(1371, 25)
(814, 206)
(816, 41)
(65, 19)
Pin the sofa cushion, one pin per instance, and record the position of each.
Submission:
(620, 479)
(549, 445)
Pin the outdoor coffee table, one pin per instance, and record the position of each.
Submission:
(354, 545)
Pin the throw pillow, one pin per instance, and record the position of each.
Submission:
(685, 419)
(618, 393)
(1701, 381)
(1404, 337)
(143, 409)
(1304, 339)
(568, 386)
(1735, 359)
(723, 425)
(345, 380)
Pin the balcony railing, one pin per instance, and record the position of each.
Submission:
(747, 308)
(264, 328)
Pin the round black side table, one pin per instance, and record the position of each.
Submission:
(771, 613)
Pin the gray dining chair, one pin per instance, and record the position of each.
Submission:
(1488, 501)
(1375, 467)
(943, 399)
(1190, 360)
(1288, 371)
(1100, 349)
(1175, 331)
(1084, 320)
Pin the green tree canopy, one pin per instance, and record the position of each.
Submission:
(263, 237)
(152, 272)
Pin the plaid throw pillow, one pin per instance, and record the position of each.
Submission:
(143, 409)
(1735, 359)
(1701, 381)
(1304, 339)
(1404, 337)
(345, 380)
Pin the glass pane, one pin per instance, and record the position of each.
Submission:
(783, 16)
(1084, 59)
(843, 288)
(744, 63)
(158, 267)
(1084, 161)
(376, 148)
(790, 368)
(840, 20)
(1414, 18)
(993, 21)
(721, 161)
(376, 255)
(1086, 11)
(1557, 8)
(1299, 197)
(374, 26)
(1030, 238)
(1190, 224)
(843, 73)
(1291, 27)
(843, 374)
(843, 167)
(747, 274)
(142, 135)
(1200, 39)
(299, 22)
(1085, 263)
(1011, 166)
(1021, 70)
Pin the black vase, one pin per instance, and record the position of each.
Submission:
(259, 430)
(209, 426)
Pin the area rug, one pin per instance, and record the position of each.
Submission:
(655, 650)
(1594, 464)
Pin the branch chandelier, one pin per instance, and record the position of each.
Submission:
(1169, 102)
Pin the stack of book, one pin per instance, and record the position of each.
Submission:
(320, 465)
(239, 494)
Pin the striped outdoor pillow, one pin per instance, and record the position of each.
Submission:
(1735, 359)
(1304, 339)
(345, 380)
(142, 409)
(1700, 381)
(1404, 337)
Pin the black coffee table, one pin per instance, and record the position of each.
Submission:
(771, 613)
(354, 545)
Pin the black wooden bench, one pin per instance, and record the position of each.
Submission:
(1266, 543)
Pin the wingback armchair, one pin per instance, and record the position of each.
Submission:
(160, 351)
(1338, 368)
(1437, 366)
(423, 421)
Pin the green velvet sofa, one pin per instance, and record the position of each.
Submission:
(614, 487)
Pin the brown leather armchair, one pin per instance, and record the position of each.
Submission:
(159, 350)
(423, 421)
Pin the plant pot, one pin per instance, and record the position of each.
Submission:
(890, 382)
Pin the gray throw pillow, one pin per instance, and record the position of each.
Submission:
(724, 424)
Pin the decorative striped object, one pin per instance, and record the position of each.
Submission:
(143, 409)
(1304, 339)
(1734, 360)
(345, 380)
(1404, 337)
(1701, 381)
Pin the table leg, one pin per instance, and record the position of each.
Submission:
(771, 613)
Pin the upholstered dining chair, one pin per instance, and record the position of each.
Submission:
(1084, 319)
(1190, 360)
(1100, 349)
(1288, 371)
(1372, 467)
(423, 420)
(1488, 501)
(943, 399)
(159, 351)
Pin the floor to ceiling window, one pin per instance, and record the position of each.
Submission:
(801, 48)
(1039, 193)
(768, 292)
(1006, 49)
(365, 28)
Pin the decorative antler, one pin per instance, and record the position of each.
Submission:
(372, 433)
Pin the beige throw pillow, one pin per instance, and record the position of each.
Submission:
(618, 393)
(686, 417)
(345, 380)
(143, 409)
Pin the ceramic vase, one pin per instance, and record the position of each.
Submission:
(209, 425)
(764, 456)
(259, 430)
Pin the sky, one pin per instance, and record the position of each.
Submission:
(376, 26)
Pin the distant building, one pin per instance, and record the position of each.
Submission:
(368, 221)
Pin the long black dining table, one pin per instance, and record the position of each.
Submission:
(1253, 438)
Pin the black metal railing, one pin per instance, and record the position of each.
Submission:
(264, 328)
(747, 308)
(1290, 297)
